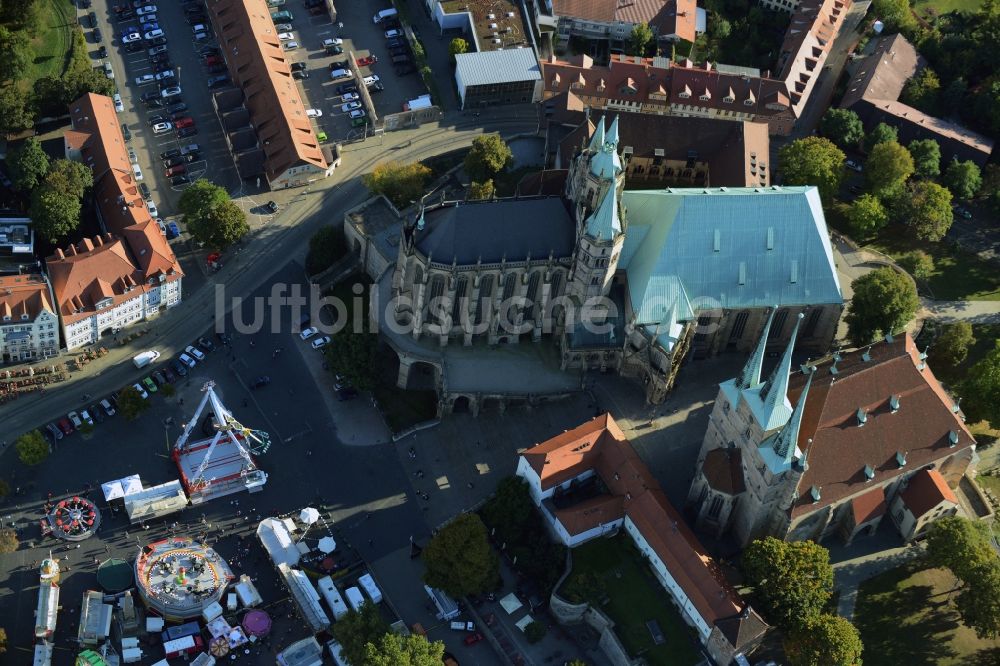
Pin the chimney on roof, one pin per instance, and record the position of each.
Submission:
(901, 458)
(59, 253)
(893, 403)
(98, 241)
(108, 237)
(71, 250)
(952, 438)
(867, 356)
(862, 416)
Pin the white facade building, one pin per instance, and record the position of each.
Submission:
(29, 326)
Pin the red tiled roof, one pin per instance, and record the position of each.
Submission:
(869, 506)
(925, 490)
(600, 445)
(838, 449)
(25, 294)
(86, 273)
(257, 64)
(590, 513)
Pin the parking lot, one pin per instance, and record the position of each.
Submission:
(183, 59)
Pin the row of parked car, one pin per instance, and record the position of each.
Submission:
(106, 408)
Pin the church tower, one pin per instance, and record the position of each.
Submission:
(593, 187)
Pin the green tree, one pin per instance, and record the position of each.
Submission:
(953, 97)
(813, 161)
(402, 184)
(53, 213)
(639, 40)
(131, 405)
(510, 509)
(357, 629)
(220, 226)
(201, 195)
(69, 177)
(488, 156)
(459, 559)
(49, 96)
(80, 82)
(457, 46)
(325, 247)
(8, 544)
(825, 640)
(32, 448)
(926, 154)
(880, 134)
(895, 14)
(15, 54)
(720, 27)
(884, 301)
(959, 544)
(917, 263)
(867, 215)
(28, 164)
(986, 106)
(15, 115)
(887, 167)
(395, 650)
(926, 207)
(168, 390)
(922, 91)
(980, 390)
(979, 602)
(351, 354)
(952, 346)
(535, 631)
(793, 580)
(963, 179)
(484, 190)
(843, 127)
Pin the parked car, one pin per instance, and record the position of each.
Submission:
(195, 352)
(149, 384)
(187, 360)
(153, 210)
(159, 378)
(319, 343)
(186, 132)
(162, 128)
(300, 75)
(206, 344)
(184, 121)
(290, 46)
(141, 391)
(153, 34)
(345, 88)
(854, 166)
(145, 79)
(286, 36)
(102, 51)
(156, 50)
(169, 374)
(171, 91)
(271, 207)
(217, 81)
(358, 113)
(472, 638)
(175, 171)
(147, 9)
(119, 106)
(177, 108)
(963, 213)
(165, 74)
(144, 190)
(190, 148)
(314, 113)
(126, 132)
(157, 118)
(54, 431)
(173, 161)
(350, 106)
(180, 180)
(367, 61)
(349, 97)
(129, 37)
(179, 367)
(393, 34)
(309, 332)
(173, 231)
(98, 37)
(340, 64)
(108, 409)
(65, 426)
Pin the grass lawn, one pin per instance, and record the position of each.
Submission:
(632, 597)
(908, 616)
(53, 42)
(940, 7)
(958, 275)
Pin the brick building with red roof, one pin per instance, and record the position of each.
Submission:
(589, 482)
(825, 447)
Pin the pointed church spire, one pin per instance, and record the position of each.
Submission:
(750, 377)
(597, 140)
(603, 223)
(775, 392)
(612, 137)
(787, 439)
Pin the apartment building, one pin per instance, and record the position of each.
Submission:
(613, 20)
(29, 326)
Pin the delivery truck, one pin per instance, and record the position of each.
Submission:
(142, 359)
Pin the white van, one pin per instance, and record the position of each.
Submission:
(337, 652)
(384, 14)
(137, 171)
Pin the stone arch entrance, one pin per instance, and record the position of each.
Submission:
(461, 404)
(422, 376)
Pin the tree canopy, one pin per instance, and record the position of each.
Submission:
(352, 354)
(8, 544)
(457, 46)
(459, 558)
(402, 184)
(884, 301)
(639, 40)
(843, 127)
(867, 215)
(880, 134)
(131, 404)
(200, 196)
(979, 602)
(325, 247)
(15, 54)
(69, 177)
(963, 179)
(357, 629)
(488, 156)
(220, 226)
(395, 650)
(952, 346)
(917, 263)
(825, 640)
(54, 214)
(15, 113)
(926, 154)
(926, 207)
(922, 91)
(484, 190)
(887, 167)
(813, 161)
(32, 448)
(980, 390)
(28, 164)
(895, 14)
(793, 580)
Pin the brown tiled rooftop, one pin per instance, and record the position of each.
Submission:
(840, 449)
(925, 490)
(869, 506)
(25, 294)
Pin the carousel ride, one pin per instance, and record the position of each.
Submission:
(72, 519)
(223, 464)
(178, 578)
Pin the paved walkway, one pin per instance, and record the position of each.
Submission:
(974, 312)
(848, 575)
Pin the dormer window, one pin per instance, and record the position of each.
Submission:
(862, 416)
(730, 97)
(706, 96)
(686, 93)
(952, 438)
(894, 403)
(869, 473)
(814, 494)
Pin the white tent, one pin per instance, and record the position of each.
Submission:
(119, 488)
(327, 544)
(308, 515)
(277, 542)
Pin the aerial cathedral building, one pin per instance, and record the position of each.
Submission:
(828, 448)
(628, 281)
